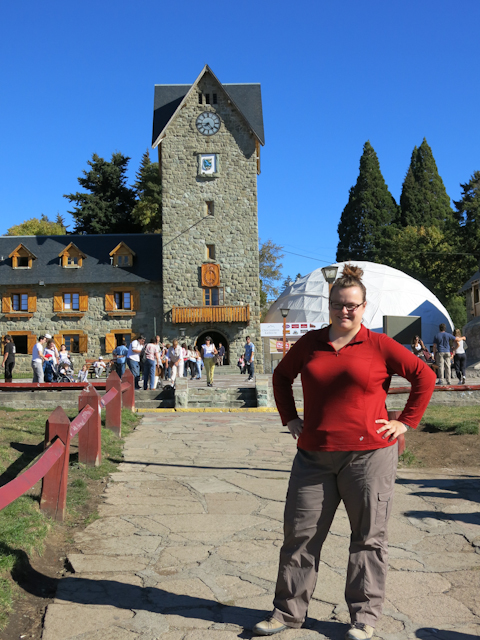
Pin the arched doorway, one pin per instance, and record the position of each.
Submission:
(216, 339)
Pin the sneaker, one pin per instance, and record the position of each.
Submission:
(268, 627)
(359, 631)
(463, 380)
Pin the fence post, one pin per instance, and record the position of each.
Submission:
(54, 486)
(90, 436)
(394, 415)
(113, 417)
(128, 396)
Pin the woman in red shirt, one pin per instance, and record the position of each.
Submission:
(347, 450)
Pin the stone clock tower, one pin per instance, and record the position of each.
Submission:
(208, 137)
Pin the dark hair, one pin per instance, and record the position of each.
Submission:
(442, 326)
(351, 277)
(8, 337)
(184, 345)
(414, 339)
(208, 338)
(153, 340)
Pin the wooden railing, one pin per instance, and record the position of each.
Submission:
(222, 313)
(52, 465)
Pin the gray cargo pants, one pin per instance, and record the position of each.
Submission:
(364, 480)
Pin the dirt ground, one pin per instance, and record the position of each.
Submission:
(431, 450)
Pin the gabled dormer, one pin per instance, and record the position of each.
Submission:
(71, 257)
(22, 258)
(122, 255)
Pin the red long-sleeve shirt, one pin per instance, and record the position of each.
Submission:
(344, 391)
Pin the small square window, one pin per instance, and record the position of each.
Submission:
(72, 342)
(210, 252)
(209, 207)
(71, 301)
(22, 261)
(123, 300)
(72, 260)
(123, 261)
(20, 302)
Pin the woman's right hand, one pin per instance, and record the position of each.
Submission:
(295, 427)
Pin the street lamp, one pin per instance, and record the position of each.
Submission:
(330, 275)
(284, 313)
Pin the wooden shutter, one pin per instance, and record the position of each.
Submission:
(32, 303)
(83, 302)
(57, 302)
(210, 275)
(135, 298)
(110, 342)
(31, 342)
(109, 302)
(7, 304)
(58, 339)
(83, 343)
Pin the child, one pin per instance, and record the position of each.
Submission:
(83, 374)
(241, 364)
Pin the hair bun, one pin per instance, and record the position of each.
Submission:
(352, 271)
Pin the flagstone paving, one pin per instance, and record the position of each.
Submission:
(187, 544)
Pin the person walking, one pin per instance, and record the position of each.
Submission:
(198, 363)
(152, 359)
(442, 353)
(460, 357)
(175, 360)
(133, 358)
(8, 357)
(347, 450)
(209, 351)
(221, 354)
(249, 358)
(37, 359)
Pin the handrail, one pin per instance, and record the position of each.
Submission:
(52, 466)
(29, 478)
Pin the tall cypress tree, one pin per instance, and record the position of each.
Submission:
(148, 210)
(109, 205)
(368, 220)
(424, 200)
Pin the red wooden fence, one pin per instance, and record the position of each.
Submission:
(52, 466)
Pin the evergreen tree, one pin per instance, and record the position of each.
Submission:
(369, 217)
(269, 256)
(148, 210)
(468, 218)
(109, 205)
(424, 201)
(39, 227)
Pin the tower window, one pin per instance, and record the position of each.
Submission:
(209, 207)
(210, 252)
(214, 96)
(207, 98)
(200, 100)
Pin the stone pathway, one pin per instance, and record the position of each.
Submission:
(187, 543)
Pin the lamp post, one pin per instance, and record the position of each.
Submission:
(284, 313)
(330, 275)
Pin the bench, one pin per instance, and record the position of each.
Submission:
(91, 371)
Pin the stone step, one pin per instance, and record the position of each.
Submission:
(205, 404)
(155, 404)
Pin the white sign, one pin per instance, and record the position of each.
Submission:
(292, 329)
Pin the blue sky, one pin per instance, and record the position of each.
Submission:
(78, 78)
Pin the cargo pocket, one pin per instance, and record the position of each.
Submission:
(383, 507)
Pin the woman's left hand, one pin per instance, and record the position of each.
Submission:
(392, 428)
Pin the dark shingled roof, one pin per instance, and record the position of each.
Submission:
(468, 284)
(97, 268)
(247, 97)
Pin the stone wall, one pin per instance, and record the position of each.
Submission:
(187, 228)
(96, 323)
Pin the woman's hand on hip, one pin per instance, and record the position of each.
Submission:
(391, 429)
(295, 427)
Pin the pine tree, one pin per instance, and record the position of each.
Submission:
(148, 210)
(468, 218)
(368, 219)
(109, 205)
(424, 200)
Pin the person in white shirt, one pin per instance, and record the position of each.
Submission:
(83, 374)
(175, 359)
(133, 358)
(99, 367)
(209, 351)
(37, 359)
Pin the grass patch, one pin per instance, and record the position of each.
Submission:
(457, 420)
(407, 458)
(23, 527)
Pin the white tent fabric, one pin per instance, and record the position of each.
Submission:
(390, 292)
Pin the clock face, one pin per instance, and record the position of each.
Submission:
(208, 123)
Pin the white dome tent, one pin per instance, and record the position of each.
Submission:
(390, 292)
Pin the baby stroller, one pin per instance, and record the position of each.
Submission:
(65, 371)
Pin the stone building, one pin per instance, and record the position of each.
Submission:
(208, 137)
(199, 277)
(472, 328)
(86, 291)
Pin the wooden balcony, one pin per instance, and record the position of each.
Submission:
(222, 313)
